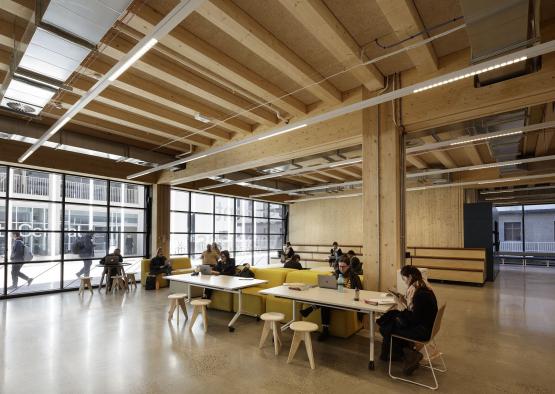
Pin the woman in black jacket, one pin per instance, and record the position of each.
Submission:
(226, 266)
(415, 322)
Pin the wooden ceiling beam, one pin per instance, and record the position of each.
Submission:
(317, 18)
(545, 137)
(403, 18)
(159, 67)
(442, 156)
(350, 171)
(317, 176)
(331, 174)
(214, 60)
(473, 154)
(417, 162)
(243, 28)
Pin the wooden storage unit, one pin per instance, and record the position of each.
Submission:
(452, 264)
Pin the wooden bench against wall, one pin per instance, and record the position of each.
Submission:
(452, 264)
(318, 253)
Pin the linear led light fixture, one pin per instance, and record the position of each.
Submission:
(282, 132)
(537, 50)
(202, 118)
(480, 166)
(523, 189)
(324, 197)
(474, 138)
(287, 173)
(167, 24)
(312, 188)
(472, 73)
(499, 181)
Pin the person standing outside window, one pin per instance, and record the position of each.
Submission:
(85, 249)
(18, 257)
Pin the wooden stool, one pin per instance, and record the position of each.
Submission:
(177, 299)
(302, 330)
(199, 306)
(271, 323)
(117, 282)
(131, 280)
(85, 283)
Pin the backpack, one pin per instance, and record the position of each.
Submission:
(246, 272)
(27, 254)
(150, 282)
(77, 246)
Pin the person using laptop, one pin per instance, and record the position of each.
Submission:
(351, 281)
(294, 263)
(159, 264)
(226, 266)
(115, 258)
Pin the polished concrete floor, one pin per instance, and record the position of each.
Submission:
(497, 339)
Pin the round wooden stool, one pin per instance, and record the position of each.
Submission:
(117, 283)
(302, 330)
(271, 323)
(131, 280)
(177, 300)
(85, 283)
(199, 306)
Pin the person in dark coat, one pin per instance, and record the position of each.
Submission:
(294, 263)
(356, 265)
(18, 257)
(85, 248)
(226, 266)
(159, 264)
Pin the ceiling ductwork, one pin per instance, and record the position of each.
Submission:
(59, 36)
(499, 27)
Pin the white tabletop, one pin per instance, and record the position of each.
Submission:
(222, 282)
(331, 297)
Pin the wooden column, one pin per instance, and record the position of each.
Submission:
(382, 198)
(161, 218)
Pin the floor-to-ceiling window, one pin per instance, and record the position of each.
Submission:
(252, 231)
(66, 224)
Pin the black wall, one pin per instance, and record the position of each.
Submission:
(478, 232)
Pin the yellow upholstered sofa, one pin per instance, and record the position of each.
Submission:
(180, 265)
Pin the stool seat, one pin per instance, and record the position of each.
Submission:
(303, 326)
(272, 316)
(177, 300)
(201, 302)
(302, 330)
(177, 296)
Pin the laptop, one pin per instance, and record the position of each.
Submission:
(205, 269)
(327, 282)
(111, 260)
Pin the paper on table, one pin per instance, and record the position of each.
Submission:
(381, 301)
(297, 286)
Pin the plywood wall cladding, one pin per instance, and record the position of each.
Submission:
(325, 221)
(435, 217)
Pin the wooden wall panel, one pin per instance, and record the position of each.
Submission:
(435, 217)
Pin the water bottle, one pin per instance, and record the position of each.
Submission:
(340, 283)
(357, 292)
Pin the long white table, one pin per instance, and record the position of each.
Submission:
(331, 298)
(230, 284)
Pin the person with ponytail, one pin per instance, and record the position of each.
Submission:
(415, 321)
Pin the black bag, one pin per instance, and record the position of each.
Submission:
(246, 273)
(150, 283)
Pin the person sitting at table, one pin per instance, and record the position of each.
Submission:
(356, 265)
(226, 266)
(287, 253)
(351, 281)
(209, 256)
(335, 254)
(294, 263)
(159, 264)
(109, 260)
(415, 321)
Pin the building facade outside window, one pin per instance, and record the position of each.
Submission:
(67, 223)
(512, 231)
(252, 231)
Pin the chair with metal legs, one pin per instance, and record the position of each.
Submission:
(429, 357)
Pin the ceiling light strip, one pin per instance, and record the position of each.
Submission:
(287, 173)
(312, 188)
(477, 138)
(479, 166)
(324, 197)
(403, 92)
(523, 189)
(167, 24)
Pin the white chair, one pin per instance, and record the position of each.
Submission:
(177, 301)
(302, 330)
(271, 323)
(429, 358)
(199, 306)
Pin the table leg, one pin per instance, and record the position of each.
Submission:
(238, 313)
(124, 276)
(188, 293)
(371, 362)
(102, 280)
(286, 325)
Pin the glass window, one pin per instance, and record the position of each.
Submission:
(179, 222)
(86, 190)
(261, 226)
(37, 185)
(243, 207)
(224, 241)
(3, 182)
(82, 245)
(261, 242)
(85, 218)
(243, 242)
(202, 203)
(179, 200)
(243, 258)
(34, 215)
(224, 205)
(276, 211)
(243, 225)
(38, 246)
(202, 223)
(512, 231)
(199, 242)
(276, 242)
(179, 244)
(224, 224)
(260, 257)
(131, 244)
(127, 220)
(46, 276)
(127, 194)
(261, 209)
(276, 226)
